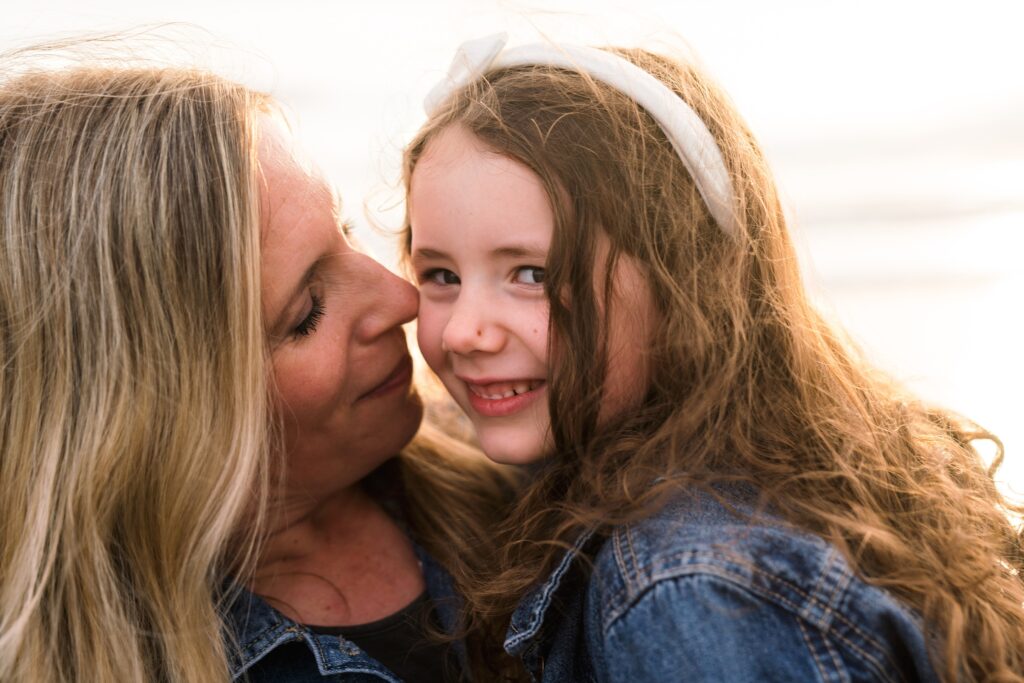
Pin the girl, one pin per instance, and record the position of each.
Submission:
(723, 489)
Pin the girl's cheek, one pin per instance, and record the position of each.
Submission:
(429, 329)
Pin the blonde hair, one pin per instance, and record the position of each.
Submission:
(135, 426)
(133, 408)
(747, 382)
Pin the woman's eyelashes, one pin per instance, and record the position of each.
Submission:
(309, 323)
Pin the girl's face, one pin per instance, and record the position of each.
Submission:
(481, 227)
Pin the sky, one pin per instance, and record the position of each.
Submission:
(895, 130)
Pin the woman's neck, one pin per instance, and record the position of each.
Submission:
(338, 562)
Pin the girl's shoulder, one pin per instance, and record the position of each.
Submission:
(715, 573)
(698, 533)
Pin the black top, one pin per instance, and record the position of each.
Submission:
(403, 643)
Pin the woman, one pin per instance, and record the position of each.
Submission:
(198, 374)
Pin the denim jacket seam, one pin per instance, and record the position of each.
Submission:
(272, 634)
(263, 643)
(623, 565)
(521, 635)
(541, 601)
(627, 601)
(839, 588)
(865, 656)
(821, 666)
(318, 652)
(841, 582)
(277, 624)
(820, 601)
(690, 563)
(822, 673)
(328, 669)
(632, 550)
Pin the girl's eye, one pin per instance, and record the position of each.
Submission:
(529, 275)
(440, 276)
(309, 323)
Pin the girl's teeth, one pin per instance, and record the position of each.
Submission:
(513, 390)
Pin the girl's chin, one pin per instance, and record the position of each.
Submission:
(513, 447)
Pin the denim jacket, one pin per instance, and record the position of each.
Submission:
(696, 593)
(265, 646)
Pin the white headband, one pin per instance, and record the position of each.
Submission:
(689, 136)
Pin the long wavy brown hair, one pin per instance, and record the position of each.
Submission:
(747, 381)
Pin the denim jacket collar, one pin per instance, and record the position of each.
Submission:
(254, 629)
(260, 629)
(528, 618)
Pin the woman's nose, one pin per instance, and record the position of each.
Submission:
(472, 327)
(391, 301)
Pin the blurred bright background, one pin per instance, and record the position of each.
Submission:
(896, 130)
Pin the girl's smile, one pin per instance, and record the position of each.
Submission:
(497, 399)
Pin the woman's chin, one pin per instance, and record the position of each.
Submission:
(407, 419)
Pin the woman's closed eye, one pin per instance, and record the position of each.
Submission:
(439, 276)
(309, 323)
(529, 275)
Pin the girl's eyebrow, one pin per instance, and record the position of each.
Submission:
(521, 251)
(427, 253)
(507, 251)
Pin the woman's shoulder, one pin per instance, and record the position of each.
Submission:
(714, 567)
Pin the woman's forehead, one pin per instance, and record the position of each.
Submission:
(289, 178)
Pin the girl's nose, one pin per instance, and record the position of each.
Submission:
(472, 328)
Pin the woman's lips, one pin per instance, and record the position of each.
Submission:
(498, 399)
(400, 377)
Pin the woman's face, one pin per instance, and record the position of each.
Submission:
(341, 367)
(481, 229)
